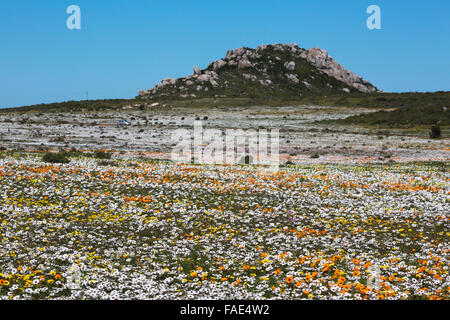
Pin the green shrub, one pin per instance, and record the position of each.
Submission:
(435, 132)
(55, 158)
(105, 163)
(103, 155)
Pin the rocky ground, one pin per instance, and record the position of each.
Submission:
(302, 138)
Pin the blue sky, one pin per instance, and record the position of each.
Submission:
(124, 46)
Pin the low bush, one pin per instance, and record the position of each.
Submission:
(103, 155)
(55, 157)
(435, 132)
(105, 163)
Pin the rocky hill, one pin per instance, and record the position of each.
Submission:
(269, 70)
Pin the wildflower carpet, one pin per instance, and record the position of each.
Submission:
(158, 230)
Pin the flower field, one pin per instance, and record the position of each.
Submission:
(158, 230)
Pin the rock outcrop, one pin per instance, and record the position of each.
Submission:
(320, 58)
(278, 69)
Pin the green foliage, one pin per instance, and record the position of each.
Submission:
(410, 109)
(56, 157)
(105, 163)
(102, 155)
(435, 132)
(68, 106)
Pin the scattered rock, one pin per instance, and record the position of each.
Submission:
(243, 64)
(217, 65)
(293, 78)
(290, 65)
(320, 59)
(249, 77)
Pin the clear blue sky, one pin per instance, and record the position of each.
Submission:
(124, 46)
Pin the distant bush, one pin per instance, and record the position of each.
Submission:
(55, 158)
(104, 163)
(102, 155)
(435, 132)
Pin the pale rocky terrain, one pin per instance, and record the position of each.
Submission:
(302, 140)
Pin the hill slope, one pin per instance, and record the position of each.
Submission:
(269, 70)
